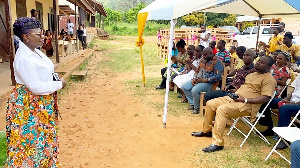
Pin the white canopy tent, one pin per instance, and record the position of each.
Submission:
(173, 9)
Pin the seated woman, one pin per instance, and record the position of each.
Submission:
(47, 45)
(62, 34)
(162, 85)
(179, 61)
(280, 72)
(190, 68)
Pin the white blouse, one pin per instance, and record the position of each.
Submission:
(35, 71)
(296, 93)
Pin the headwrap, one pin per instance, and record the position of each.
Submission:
(287, 55)
(24, 24)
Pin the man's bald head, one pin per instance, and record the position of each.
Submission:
(208, 53)
(251, 53)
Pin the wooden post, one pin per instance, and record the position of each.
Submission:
(10, 36)
(77, 46)
(56, 30)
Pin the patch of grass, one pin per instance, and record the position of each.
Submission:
(130, 29)
(121, 56)
(126, 58)
(91, 45)
(2, 148)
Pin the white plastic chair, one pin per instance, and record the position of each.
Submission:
(247, 121)
(285, 134)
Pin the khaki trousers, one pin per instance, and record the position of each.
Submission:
(223, 108)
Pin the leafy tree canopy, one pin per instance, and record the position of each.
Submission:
(131, 15)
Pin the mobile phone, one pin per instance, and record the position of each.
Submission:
(56, 77)
(233, 95)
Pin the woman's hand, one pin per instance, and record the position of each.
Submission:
(64, 83)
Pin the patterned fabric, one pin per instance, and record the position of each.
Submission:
(278, 75)
(32, 129)
(241, 75)
(180, 66)
(211, 70)
(224, 56)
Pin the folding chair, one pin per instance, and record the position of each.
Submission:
(247, 121)
(286, 85)
(202, 106)
(285, 134)
(274, 111)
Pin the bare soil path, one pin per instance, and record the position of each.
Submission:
(105, 125)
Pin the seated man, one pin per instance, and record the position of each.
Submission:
(292, 48)
(209, 72)
(238, 80)
(223, 55)
(258, 88)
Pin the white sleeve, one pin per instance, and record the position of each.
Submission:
(295, 82)
(29, 75)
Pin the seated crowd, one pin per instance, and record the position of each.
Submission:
(254, 78)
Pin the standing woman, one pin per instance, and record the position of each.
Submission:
(32, 114)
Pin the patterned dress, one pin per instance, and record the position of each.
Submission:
(180, 66)
(278, 75)
(32, 129)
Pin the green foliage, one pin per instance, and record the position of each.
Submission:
(192, 19)
(131, 15)
(2, 148)
(122, 5)
(112, 17)
(230, 20)
(130, 29)
(215, 19)
(246, 25)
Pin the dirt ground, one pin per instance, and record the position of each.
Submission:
(104, 125)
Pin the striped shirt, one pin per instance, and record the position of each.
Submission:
(224, 56)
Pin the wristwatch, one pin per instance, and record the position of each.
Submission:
(246, 101)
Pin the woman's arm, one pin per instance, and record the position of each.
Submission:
(29, 75)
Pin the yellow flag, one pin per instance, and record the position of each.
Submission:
(142, 17)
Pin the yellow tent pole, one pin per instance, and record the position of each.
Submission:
(143, 69)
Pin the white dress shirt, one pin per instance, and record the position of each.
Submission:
(34, 70)
(70, 26)
(205, 43)
(296, 93)
(84, 32)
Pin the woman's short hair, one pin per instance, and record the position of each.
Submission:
(24, 24)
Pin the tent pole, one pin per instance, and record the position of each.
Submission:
(204, 18)
(259, 23)
(173, 23)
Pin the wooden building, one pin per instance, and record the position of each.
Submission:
(10, 10)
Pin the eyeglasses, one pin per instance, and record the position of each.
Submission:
(38, 34)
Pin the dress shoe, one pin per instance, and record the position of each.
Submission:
(202, 134)
(159, 87)
(281, 145)
(195, 111)
(191, 107)
(268, 132)
(184, 101)
(212, 148)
